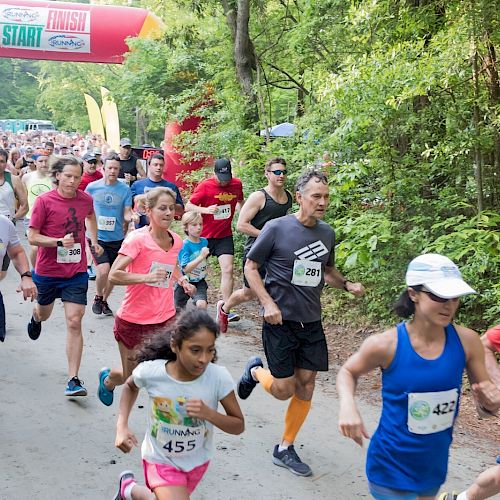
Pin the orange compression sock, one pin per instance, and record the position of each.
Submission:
(265, 378)
(297, 412)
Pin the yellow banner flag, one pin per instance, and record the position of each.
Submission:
(110, 118)
(95, 119)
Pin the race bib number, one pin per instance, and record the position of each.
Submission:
(223, 212)
(106, 223)
(169, 268)
(199, 272)
(71, 255)
(306, 273)
(430, 412)
(179, 440)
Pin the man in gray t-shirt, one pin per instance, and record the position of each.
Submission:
(11, 246)
(296, 257)
(297, 251)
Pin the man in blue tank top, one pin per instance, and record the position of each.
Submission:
(263, 205)
(422, 363)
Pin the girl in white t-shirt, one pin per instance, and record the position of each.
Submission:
(184, 387)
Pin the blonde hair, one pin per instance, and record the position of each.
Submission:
(140, 202)
(189, 218)
(154, 194)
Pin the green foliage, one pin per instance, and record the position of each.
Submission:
(385, 99)
(19, 90)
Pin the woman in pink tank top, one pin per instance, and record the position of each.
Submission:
(147, 265)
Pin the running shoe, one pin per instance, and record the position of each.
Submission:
(75, 388)
(290, 460)
(105, 309)
(232, 317)
(246, 384)
(97, 305)
(126, 477)
(91, 273)
(104, 394)
(34, 328)
(221, 317)
(448, 496)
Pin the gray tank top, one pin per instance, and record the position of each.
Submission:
(7, 198)
(271, 210)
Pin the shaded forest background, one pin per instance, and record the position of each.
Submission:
(398, 100)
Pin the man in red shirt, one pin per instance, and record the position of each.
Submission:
(217, 200)
(491, 344)
(90, 172)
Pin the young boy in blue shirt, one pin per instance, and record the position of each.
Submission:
(193, 261)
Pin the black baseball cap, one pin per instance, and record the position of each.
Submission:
(222, 169)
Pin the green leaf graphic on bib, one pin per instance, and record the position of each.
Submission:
(420, 410)
(300, 270)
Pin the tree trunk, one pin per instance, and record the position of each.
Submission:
(141, 133)
(478, 160)
(493, 83)
(238, 18)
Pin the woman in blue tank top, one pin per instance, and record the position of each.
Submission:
(422, 363)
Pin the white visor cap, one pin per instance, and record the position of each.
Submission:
(439, 275)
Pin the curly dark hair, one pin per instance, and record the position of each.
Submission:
(186, 326)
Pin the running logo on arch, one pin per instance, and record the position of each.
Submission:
(312, 251)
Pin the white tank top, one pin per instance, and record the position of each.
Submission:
(7, 200)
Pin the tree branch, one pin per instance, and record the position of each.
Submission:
(290, 77)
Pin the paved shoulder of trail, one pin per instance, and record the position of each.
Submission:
(54, 448)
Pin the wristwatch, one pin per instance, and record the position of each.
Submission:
(26, 274)
(59, 243)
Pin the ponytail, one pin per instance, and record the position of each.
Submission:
(404, 307)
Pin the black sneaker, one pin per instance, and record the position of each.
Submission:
(97, 305)
(290, 460)
(105, 309)
(246, 383)
(34, 328)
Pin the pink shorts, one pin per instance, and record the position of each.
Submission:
(157, 475)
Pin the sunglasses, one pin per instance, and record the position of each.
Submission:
(435, 298)
(279, 172)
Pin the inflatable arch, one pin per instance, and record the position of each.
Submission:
(59, 31)
(76, 32)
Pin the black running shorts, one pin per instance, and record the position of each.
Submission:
(221, 246)
(294, 345)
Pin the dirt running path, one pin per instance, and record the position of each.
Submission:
(54, 448)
